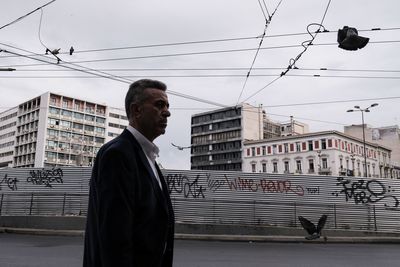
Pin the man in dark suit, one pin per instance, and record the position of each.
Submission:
(130, 221)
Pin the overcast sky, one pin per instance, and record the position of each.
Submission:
(98, 25)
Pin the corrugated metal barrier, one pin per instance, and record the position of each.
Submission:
(213, 197)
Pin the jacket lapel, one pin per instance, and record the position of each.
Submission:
(152, 177)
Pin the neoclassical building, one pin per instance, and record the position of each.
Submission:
(320, 153)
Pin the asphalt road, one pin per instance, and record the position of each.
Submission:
(45, 251)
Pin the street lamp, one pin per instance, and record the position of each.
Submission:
(362, 110)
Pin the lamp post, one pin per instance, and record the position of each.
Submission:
(362, 110)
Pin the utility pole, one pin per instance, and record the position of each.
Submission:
(357, 108)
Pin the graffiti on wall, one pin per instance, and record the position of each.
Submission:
(313, 190)
(181, 184)
(197, 187)
(10, 182)
(264, 185)
(46, 177)
(366, 192)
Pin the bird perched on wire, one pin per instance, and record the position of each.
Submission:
(71, 50)
(313, 231)
(180, 147)
(54, 51)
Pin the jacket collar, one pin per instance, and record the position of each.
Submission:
(137, 147)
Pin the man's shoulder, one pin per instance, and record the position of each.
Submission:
(122, 143)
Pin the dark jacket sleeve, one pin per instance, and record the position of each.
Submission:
(115, 207)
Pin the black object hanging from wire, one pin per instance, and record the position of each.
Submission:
(349, 39)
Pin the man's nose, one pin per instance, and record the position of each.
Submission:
(166, 113)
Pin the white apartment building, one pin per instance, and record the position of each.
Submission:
(56, 130)
(8, 129)
(116, 122)
(322, 153)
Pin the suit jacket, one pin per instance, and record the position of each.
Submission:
(130, 220)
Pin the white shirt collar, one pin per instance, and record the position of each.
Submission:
(149, 148)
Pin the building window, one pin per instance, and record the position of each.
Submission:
(298, 147)
(311, 166)
(316, 144)
(264, 167)
(275, 166)
(286, 164)
(310, 145)
(323, 144)
(253, 151)
(324, 163)
(263, 150)
(298, 166)
(253, 167)
(286, 147)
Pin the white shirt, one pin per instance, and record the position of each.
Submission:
(149, 148)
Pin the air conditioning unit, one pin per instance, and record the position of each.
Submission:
(51, 126)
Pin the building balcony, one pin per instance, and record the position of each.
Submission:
(325, 171)
(52, 137)
(214, 152)
(77, 119)
(53, 160)
(205, 122)
(77, 130)
(51, 148)
(216, 162)
(52, 115)
(214, 131)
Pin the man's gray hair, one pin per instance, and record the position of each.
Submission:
(136, 93)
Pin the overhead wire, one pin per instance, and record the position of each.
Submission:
(211, 41)
(267, 22)
(266, 9)
(197, 53)
(26, 15)
(40, 38)
(220, 69)
(206, 76)
(115, 78)
(292, 61)
(262, 10)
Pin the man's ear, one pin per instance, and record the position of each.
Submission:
(135, 109)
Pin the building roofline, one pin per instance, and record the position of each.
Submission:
(7, 110)
(220, 109)
(313, 134)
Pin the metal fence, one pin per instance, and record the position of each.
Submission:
(213, 211)
(257, 199)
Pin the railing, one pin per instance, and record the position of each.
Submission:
(217, 211)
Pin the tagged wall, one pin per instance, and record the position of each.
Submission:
(221, 197)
